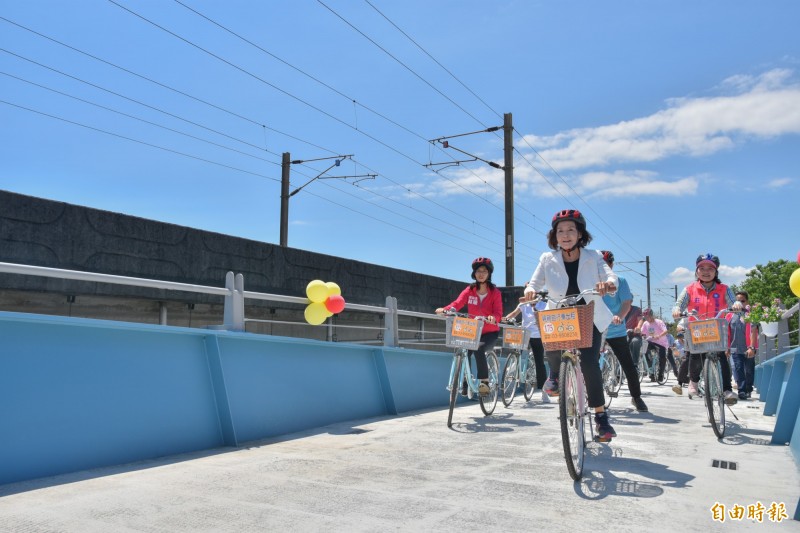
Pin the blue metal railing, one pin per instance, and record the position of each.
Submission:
(778, 383)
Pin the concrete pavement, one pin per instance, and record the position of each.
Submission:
(413, 473)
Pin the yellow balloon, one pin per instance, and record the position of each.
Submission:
(317, 291)
(316, 313)
(333, 289)
(794, 282)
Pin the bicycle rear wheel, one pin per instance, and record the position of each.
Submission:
(570, 414)
(509, 381)
(715, 399)
(612, 377)
(489, 402)
(530, 376)
(454, 385)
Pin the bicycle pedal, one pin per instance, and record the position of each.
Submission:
(599, 439)
(613, 394)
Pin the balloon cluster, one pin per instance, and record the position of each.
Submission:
(794, 279)
(326, 300)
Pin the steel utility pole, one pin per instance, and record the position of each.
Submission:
(508, 151)
(647, 263)
(285, 199)
(286, 163)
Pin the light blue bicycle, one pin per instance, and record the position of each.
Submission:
(464, 334)
(519, 368)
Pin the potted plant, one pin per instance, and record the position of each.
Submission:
(767, 316)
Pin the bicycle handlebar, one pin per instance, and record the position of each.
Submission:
(452, 312)
(695, 314)
(569, 300)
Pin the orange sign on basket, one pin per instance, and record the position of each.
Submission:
(464, 328)
(559, 325)
(513, 336)
(704, 331)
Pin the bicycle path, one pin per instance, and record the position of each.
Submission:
(411, 473)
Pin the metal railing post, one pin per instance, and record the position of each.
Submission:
(238, 303)
(228, 309)
(392, 337)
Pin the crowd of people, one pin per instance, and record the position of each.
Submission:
(571, 268)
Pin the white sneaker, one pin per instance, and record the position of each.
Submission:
(730, 397)
(546, 397)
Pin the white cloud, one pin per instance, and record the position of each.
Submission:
(745, 107)
(733, 275)
(764, 106)
(681, 276)
(730, 275)
(778, 183)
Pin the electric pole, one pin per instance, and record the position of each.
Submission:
(286, 162)
(508, 151)
(647, 264)
(285, 199)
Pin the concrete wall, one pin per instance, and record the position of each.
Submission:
(55, 234)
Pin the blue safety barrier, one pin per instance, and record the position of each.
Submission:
(778, 383)
(80, 393)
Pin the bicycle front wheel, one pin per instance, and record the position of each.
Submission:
(489, 402)
(530, 376)
(454, 385)
(570, 414)
(715, 398)
(641, 367)
(510, 372)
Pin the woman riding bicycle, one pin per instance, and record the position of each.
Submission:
(617, 338)
(706, 297)
(567, 270)
(654, 331)
(482, 298)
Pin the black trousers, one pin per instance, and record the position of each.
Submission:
(694, 364)
(590, 366)
(538, 356)
(621, 348)
(487, 343)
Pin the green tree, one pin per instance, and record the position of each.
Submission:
(767, 282)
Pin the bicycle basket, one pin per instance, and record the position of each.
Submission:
(566, 328)
(516, 338)
(462, 332)
(707, 335)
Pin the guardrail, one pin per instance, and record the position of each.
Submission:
(778, 384)
(234, 295)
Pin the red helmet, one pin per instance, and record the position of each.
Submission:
(569, 214)
(608, 257)
(482, 261)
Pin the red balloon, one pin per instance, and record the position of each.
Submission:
(798, 257)
(334, 303)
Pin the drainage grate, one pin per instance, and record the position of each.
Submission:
(725, 465)
(753, 407)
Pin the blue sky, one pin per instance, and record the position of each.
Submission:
(674, 126)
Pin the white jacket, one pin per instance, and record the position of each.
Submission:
(551, 275)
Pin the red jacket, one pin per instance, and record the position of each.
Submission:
(492, 305)
(707, 304)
